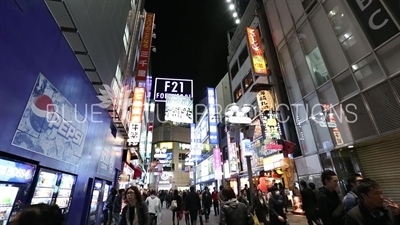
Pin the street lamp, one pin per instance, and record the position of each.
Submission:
(160, 153)
(239, 116)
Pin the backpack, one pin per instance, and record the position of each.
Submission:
(345, 197)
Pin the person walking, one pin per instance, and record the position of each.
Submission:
(234, 212)
(184, 208)
(309, 203)
(371, 209)
(207, 202)
(276, 204)
(136, 211)
(178, 199)
(108, 214)
(193, 204)
(154, 206)
(117, 206)
(330, 207)
(215, 200)
(39, 214)
(350, 200)
(261, 207)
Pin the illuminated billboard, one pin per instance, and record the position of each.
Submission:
(164, 86)
(256, 52)
(212, 116)
(178, 109)
(136, 115)
(144, 56)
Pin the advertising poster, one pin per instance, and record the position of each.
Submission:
(106, 166)
(179, 109)
(50, 125)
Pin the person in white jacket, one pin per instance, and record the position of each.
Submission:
(154, 205)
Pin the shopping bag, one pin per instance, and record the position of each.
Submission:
(159, 217)
(255, 219)
(180, 215)
(174, 205)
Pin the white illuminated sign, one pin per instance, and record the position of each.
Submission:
(178, 109)
(164, 86)
(239, 120)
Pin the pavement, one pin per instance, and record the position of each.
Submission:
(214, 220)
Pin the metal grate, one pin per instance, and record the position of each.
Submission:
(85, 61)
(359, 121)
(60, 14)
(75, 41)
(396, 84)
(384, 107)
(93, 76)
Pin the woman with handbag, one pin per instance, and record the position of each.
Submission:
(176, 206)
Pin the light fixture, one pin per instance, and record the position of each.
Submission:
(234, 107)
(228, 0)
(237, 21)
(160, 153)
(246, 108)
(154, 49)
(234, 14)
(154, 35)
(231, 6)
(350, 146)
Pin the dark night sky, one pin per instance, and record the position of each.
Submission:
(191, 40)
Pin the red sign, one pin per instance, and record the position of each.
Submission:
(150, 126)
(144, 54)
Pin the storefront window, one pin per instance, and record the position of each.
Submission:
(327, 94)
(275, 23)
(367, 72)
(285, 17)
(326, 161)
(328, 44)
(300, 64)
(345, 85)
(349, 34)
(389, 56)
(292, 85)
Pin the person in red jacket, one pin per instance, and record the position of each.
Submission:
(215, 201)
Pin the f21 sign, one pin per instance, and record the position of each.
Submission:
(164, 86)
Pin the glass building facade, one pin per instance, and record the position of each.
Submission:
(341, 64)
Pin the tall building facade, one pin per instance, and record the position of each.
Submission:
(57, 130)
(341, 68)
(171, 171)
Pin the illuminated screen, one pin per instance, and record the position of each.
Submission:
(164, 86)
(179, 109)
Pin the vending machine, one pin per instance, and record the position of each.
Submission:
(54, 187)
(15, 181)
(95, 202)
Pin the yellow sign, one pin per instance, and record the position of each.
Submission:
(257, 53)
(265, 101)
(166, 145)
(287, 165)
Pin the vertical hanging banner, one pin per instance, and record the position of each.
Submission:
(144, 54)
(136, 115)
(212, 116)
(256, 52)
(265, 101)
(217, 163)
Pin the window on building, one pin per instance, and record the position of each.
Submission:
(238, 92)
(367, 72)
(243, 55)
(247, 81)
(234, 69)
(308, 5)
(126, 38)
(181, 164)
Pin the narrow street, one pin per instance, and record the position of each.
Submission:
(214, 220)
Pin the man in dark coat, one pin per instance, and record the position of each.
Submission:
(193, 204)
(309, 203)
(207, 202)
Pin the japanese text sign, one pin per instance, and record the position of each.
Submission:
(144, 53)
(257, 53)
